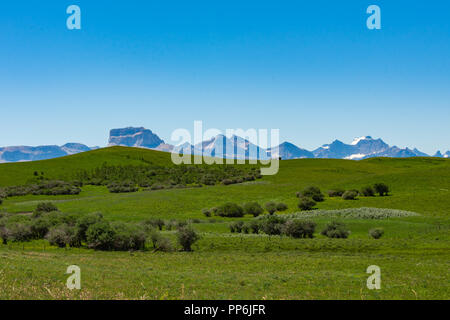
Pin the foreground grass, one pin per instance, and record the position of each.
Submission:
(276, 274)
(413, 257)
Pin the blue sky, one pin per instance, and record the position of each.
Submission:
(310, 68)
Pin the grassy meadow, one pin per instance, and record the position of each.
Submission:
(413, 254)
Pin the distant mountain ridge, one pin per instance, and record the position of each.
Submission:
(234, 147)
(26, 153)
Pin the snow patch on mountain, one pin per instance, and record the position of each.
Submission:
(357, 140)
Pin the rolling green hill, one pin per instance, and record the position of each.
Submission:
(65, 167)
(418, 184)
(413, 254)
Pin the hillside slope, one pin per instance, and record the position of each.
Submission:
(417, 184)
(65, 167)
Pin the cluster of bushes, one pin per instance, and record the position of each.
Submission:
(295, 228)
(336, 230)
(233, 210)
(91, 231)
(376, 233)
(122, 187)
(49, 188)
(154, 177)
(368, 191)
(309, 197)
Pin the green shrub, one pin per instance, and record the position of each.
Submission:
(40, 226)
(271, 207)
(20, 232)
(368, 191)
(122, 187)
(49, 188)
(206, 212)
(381, 188)
(128, 237)
(163, 244)
(236, 227)
(335, 193)
(376, 233)
(311, 192)
(336, 230)
(187, 237)
(230, 210)
(84, 222)
(306, 204)
(246, 228)
(5, 234)
(45, 207)
(62, 236)
(281, 206)
(154, 223)
(100, 236)
(299, 229)
(272, 225)
(254, 226)
(350, 195)
(253, 208)
(228, 182)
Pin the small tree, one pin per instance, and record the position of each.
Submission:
(336, 230)
(271, 207)
(236, 226)
(376, 233)
(60, 236)
(46, 207)
(306, 204)
(299, 229)
(230, 210)
(254, 226)
(350, 195)
(206, 212)
(368, 191)
(272, 225)
(282, 206)
(311, 192)
(100, 236)
(20, 232)
(253, 208)
(84, 222)
(381, 188)
(187, 237)
(335, 193)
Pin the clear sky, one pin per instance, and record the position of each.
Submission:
(310, 68)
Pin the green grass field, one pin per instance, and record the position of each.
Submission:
(414, 253)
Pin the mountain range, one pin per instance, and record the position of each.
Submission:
(234, 147)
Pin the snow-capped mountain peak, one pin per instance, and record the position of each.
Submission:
(357, 140)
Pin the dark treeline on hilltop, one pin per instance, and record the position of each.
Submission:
(129, 178)
(159, 177)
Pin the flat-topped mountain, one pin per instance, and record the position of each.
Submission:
(134, 137)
